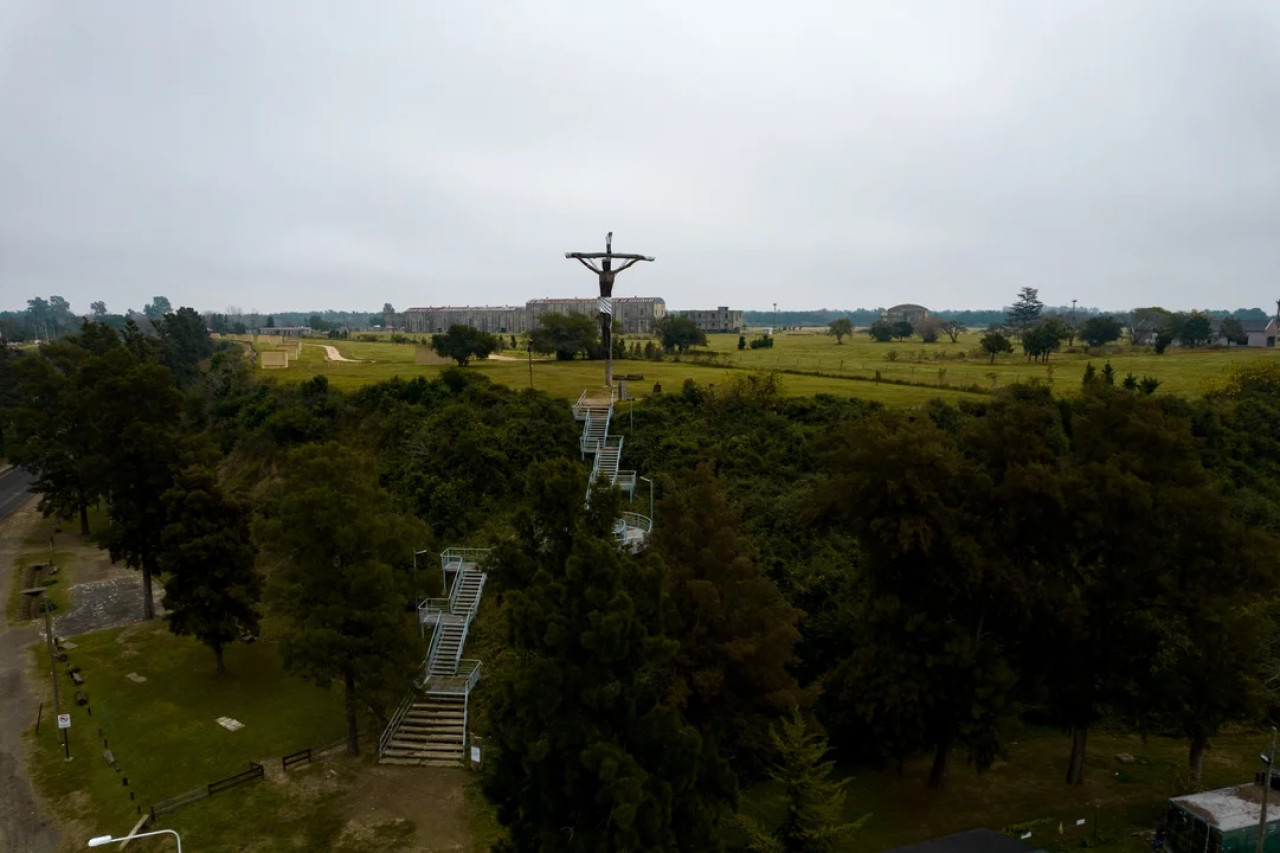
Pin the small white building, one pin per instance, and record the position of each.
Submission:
(1260, 333)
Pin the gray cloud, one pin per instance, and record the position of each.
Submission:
(304, 155)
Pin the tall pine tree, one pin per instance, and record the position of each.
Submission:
(587, 752)
(212, 589)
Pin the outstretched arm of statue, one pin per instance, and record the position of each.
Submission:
(627, 264)
(589, 266)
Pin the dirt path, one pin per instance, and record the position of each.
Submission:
(21, 825)
(332, 354)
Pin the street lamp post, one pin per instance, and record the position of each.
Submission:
(100, 840)
(1269, 758)
(650, 482)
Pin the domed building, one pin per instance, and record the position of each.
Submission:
(913, 314)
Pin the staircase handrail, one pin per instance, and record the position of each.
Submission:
(433, 605)
(471, 667)
(433, 650)
(398, 717)
(454, 558)
(635, 519)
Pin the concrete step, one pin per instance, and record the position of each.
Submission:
(416, 752)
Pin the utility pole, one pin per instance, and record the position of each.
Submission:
(606, 273)
(775, 318)
(1269, 758)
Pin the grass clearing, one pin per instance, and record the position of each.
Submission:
(912, 372)
(164, 733)
(1028, 792)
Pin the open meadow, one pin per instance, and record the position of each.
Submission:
(895, 373)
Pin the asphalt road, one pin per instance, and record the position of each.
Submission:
(13, 490)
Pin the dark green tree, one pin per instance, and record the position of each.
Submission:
(1044, 338)
(742, 342)
(137, 410)
(99, 309)
(157, 307)
(1196, 330)
(679, 333)
(936, 591)
(994, 343)
(212, 588)
(186, 343)
(566, 335)
(903, 330)
(1163, 339)
(1232, 330)
(344, 584)
(812, 801)
(1025, 313)
(271, 322)
(586, 751)
(840, 328)
(880, 331)
(1101, 329)
(53, 432)
(736, 633)
(462, 343)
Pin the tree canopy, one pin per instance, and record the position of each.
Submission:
(462, 343)
(566, 335)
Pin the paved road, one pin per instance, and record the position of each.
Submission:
(13, 490)
(22, 827)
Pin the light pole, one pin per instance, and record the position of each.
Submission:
(650, 482)
(107, 839)
(39, 594)
(1269, 759)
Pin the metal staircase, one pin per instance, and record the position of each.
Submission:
(596, 413)
(430, 726)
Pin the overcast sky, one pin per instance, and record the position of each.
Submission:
(296, 155)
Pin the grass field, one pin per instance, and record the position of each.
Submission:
(813, 362)
(164, 733)
(1028, 791)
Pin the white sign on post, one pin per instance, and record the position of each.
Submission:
(475, 754)
(64, 721)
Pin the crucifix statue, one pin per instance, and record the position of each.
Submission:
(606, 272)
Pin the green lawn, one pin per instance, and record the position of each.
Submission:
(947, 370)
(1028, 792)
(165, 736)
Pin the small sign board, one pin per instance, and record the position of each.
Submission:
(475, 755)
(64, 721)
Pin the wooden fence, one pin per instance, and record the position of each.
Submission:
(255, 771)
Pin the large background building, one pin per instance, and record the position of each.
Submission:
(636, 314)
(913, 314)
(720, 320)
